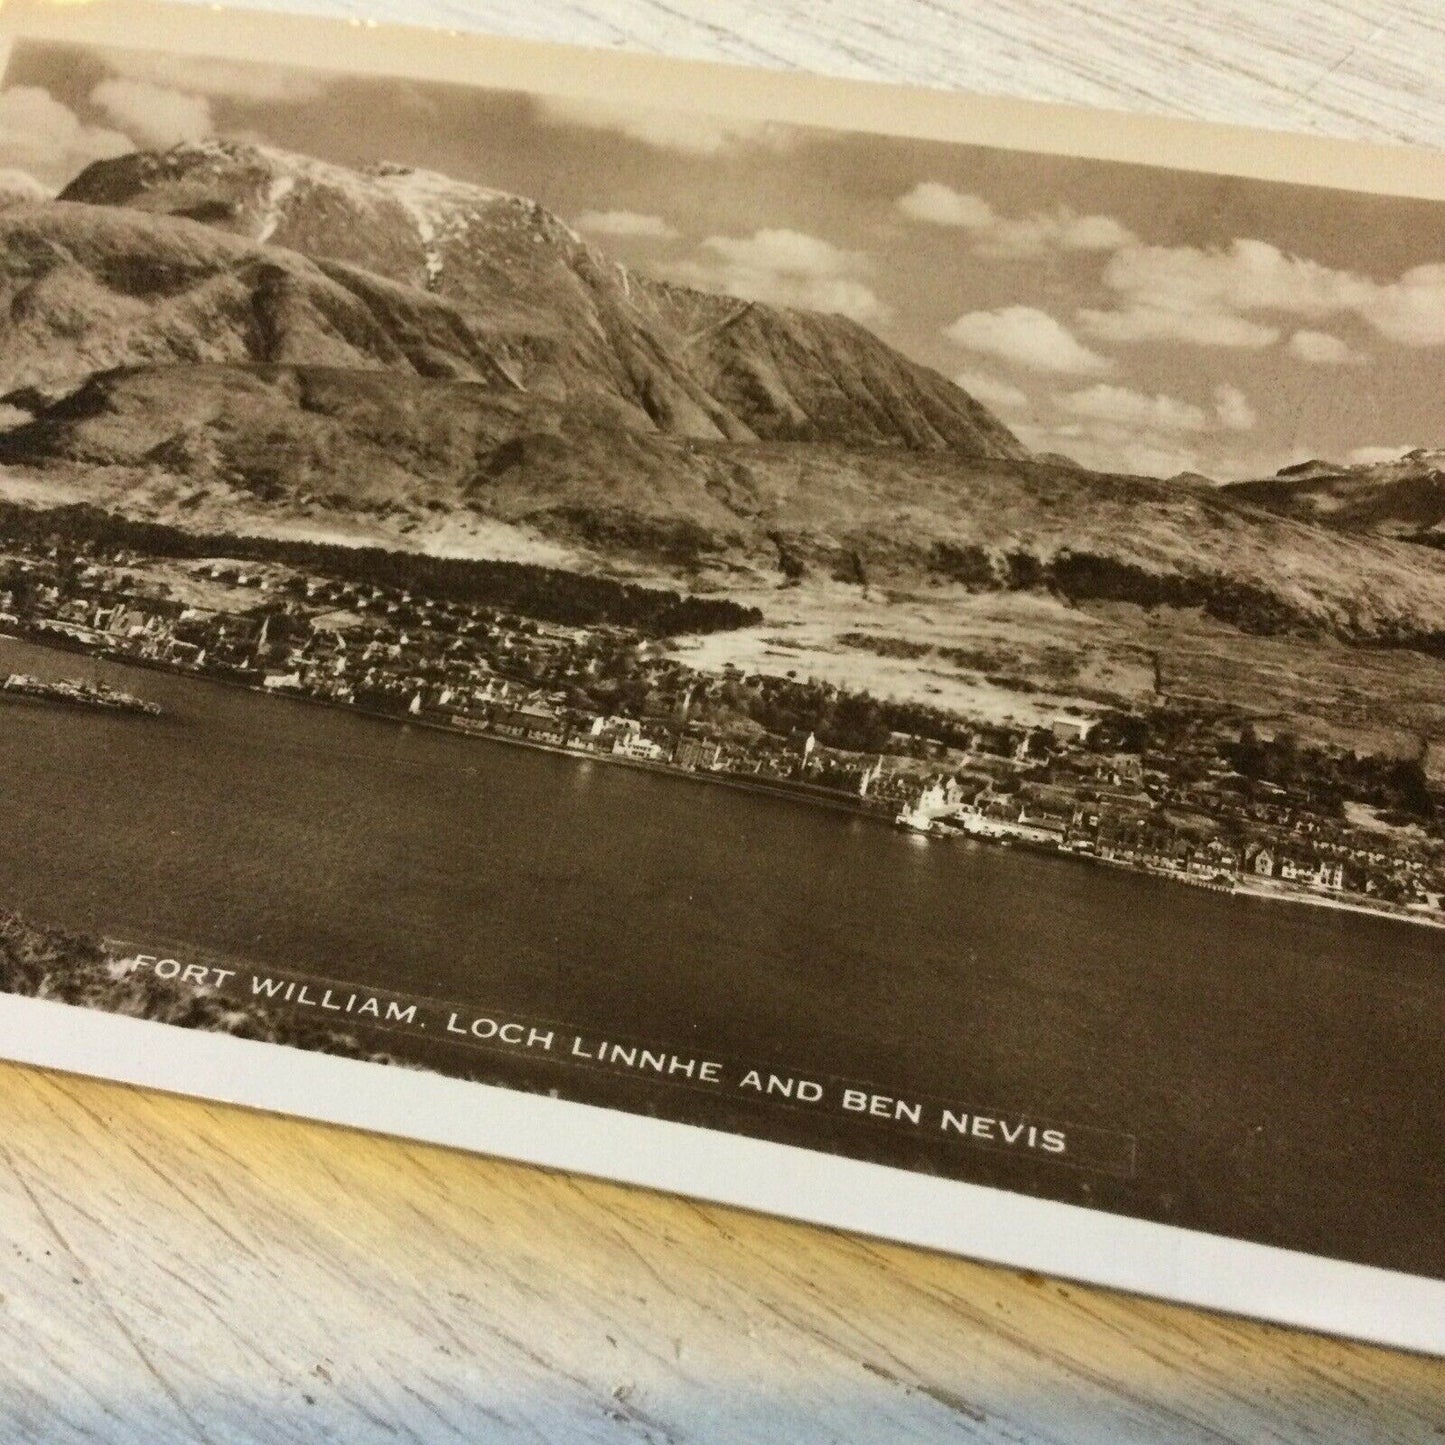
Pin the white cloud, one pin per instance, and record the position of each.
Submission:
(1121, 406)
(785, 268)
(1060, 229)
(1029, 337)
(1118, 429)
(993, 391)
(1125, 407)
(47, 140)
(941, 205)
(1245, 276)
(1322, 348)
(625, 223)
(1232, 409)
(154, 115)
(1092, 233)
(685, 131)
(202, 75)
(16, 185)
(1372, 456)
(1212, 297)
(1107, 447)
(1410, 310)
(1162, 323)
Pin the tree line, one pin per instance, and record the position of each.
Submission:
(1094, 577)
(549, 594)
(1398, 786)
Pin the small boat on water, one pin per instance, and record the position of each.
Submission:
(77, 692)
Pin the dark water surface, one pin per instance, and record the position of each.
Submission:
(1281, 1068)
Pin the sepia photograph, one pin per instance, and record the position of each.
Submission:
(927, 652)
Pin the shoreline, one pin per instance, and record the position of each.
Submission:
(1272, 890)
(1259, 889)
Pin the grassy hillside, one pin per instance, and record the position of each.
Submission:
(245, 446)
(1404, 499)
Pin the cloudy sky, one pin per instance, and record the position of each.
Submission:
(1132, 317)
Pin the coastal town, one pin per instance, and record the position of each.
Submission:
(1189, 794)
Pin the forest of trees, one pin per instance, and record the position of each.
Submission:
(854, 722)
(1093, 577)
(1396, 785)
(547, 593)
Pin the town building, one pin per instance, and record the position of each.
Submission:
(699, 754)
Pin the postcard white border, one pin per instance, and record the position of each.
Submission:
(1183, 1265)
(1188, 1266)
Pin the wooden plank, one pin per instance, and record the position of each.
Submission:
(177, 1270)
(1362, 68)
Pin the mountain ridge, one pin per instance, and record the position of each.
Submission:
(212, 331)
(305, 443)
(793, 374)
(1403, 499)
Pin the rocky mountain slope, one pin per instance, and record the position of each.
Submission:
(568, 321)
(1404, 499)
(255, 340)
(85, 289)
(238, 444)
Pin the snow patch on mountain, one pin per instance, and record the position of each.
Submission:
(439, 207)
(276, 193)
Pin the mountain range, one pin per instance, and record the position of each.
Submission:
(235, 335)
(467, 283)
(1403, 498)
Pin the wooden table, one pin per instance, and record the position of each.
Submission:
(178, 1271)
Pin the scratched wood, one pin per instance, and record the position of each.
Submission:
(178, 1271)
(1364, 68)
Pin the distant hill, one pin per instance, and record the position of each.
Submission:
(1403, 499)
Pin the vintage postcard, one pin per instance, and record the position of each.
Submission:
(861, 653)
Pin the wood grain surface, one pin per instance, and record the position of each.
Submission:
(174, 1271)
(180, 1271)
(1369, 69)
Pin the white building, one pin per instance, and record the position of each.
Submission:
(638, 748)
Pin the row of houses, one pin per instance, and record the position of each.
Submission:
(1316, 872)
(1135, 835)
(622, 737)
